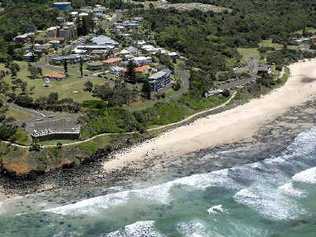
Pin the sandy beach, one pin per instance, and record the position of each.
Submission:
(229, 126)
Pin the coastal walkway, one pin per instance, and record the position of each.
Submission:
(189, 119)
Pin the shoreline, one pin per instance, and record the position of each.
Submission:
(167, 166)
(231, 126)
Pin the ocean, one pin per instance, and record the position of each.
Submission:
(275, 197)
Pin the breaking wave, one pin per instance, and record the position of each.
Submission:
(138, 229)
(270, 188)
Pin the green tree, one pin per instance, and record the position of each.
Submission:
(146, 90)
(88, 86)
(81, 67)
(52, 98)
(34, 70)
(66, 68)
(130, 72)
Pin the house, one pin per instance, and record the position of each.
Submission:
(150, 49)
(74, 14)
(129, 50)
(58, 76)
(83, 15)
(160, 80)
(118, 71)
(91, 47)
(140, 43)
(173, 55)
(62, 6)
(139, 61)
(72, 58)
(112, 61)
(29, 57)
(42, 48)
(130, 24)
(79, 51)
(56, 42)
(22, 39)
(93, 66)
(103, 40)
(99, 53)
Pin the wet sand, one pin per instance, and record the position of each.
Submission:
(231, 126)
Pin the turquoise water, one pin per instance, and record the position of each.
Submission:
(275, 197)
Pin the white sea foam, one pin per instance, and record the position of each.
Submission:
(217, 209)
(92, 206)
(306, 176)
(138, 229)
(269, 203)
(261, 174)
(289, 190)
(196, 228)
(158, 193)
(304, 143)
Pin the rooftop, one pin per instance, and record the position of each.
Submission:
(112, 60)
(142, 69)
(103, 40)
(59, 75)
(159, 74)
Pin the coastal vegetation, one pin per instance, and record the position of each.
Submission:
(217, 50)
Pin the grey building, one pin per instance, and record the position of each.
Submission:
(160, 80)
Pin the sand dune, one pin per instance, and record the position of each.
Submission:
(230, 126)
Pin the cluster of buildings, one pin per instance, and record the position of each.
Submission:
(100, 52)
(105, 53)
(55, 37)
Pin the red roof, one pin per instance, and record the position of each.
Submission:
(142, 69)
(112, 60)
(57, 75)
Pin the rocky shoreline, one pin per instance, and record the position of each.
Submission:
(271, 139)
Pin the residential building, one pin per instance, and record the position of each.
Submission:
(142, 69)
(112, 61)
(71, 58)
(118, 71)
(129, 50)
(91, 47)
(104, 40)
(94, 66)
(139, 61)
(99, 54)
(22, 39)
(160, 80)
(150, 49)
(62, 6)
(29, 56)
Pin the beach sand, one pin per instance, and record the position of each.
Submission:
(230, 126)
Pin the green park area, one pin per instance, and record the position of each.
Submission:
(70, 87)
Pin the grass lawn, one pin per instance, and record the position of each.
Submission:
(270, 44)
(248, 53)
(22, 137)
(20, 115)
(71, 87)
